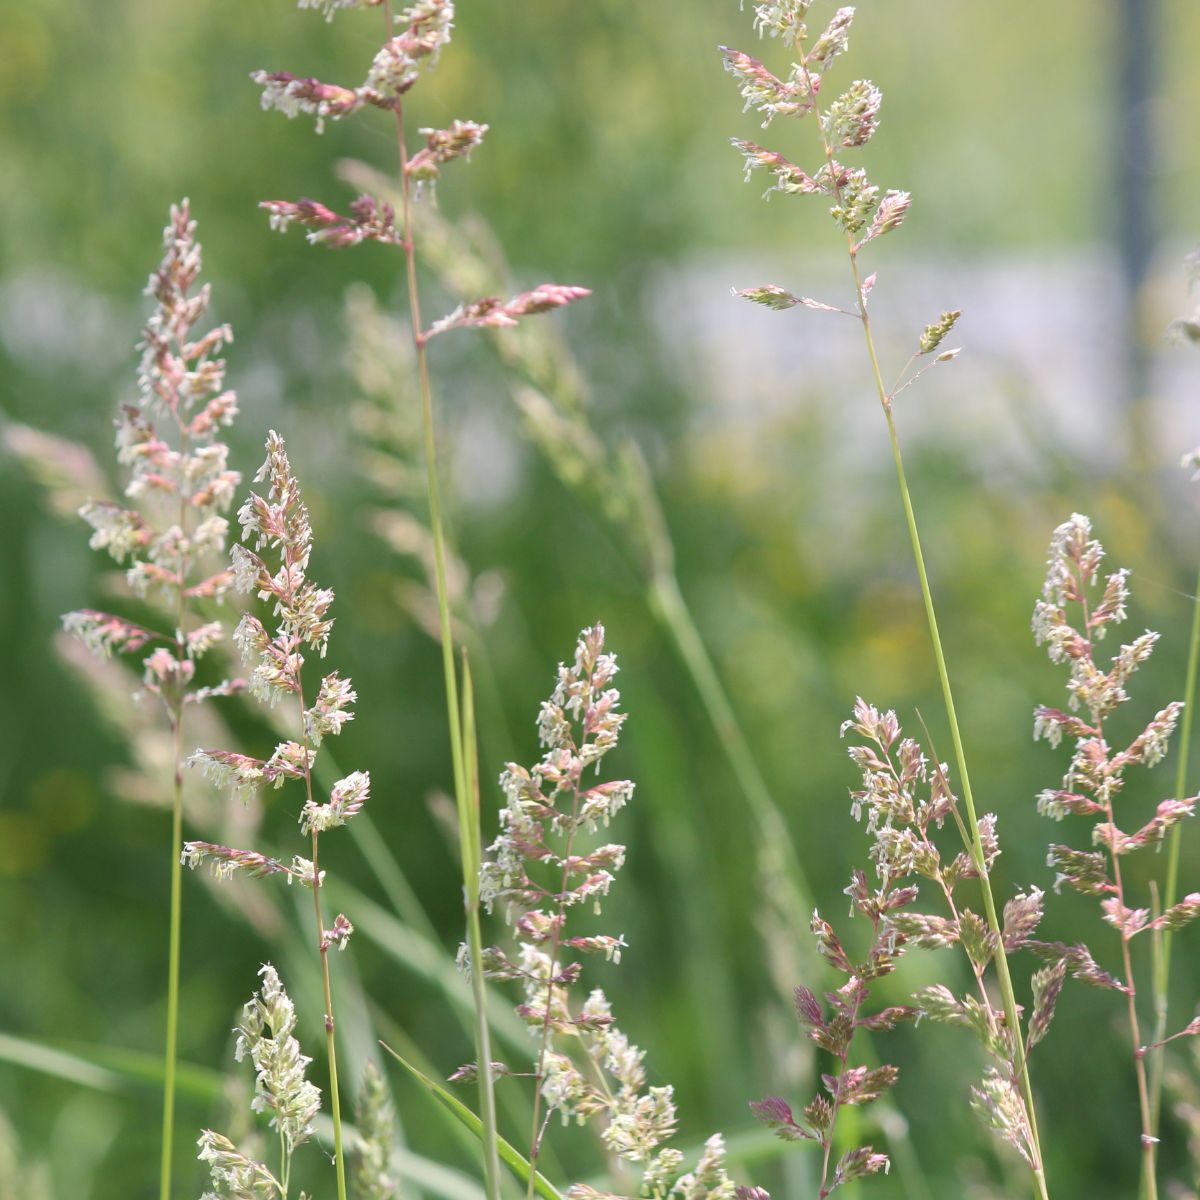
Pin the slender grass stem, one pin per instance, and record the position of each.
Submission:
(1162, 971)
(555, 946)
(468, 825)
(1011, 1011)
(1148, 1186)
(330, 1040)
(285, 1164)
(174, 938)
(169, 1054)
(827, 1150)
(989, 902)
(1148, 1189)
(323, 950)
(471, 851)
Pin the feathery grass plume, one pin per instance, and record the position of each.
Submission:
(70, 475)
(906, 799)
(542, 867)
(279, 523)
(180, 485)
(1078, 605)
(862, 212)
(414, 40)
(281, 1088)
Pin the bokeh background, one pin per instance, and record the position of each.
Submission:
(1051, 152)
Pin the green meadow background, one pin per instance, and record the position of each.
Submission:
(607, 165)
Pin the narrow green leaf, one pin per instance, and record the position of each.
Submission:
(106, 1068)
(45, 1059)
(511, 1157)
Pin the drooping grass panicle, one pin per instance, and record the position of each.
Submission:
(169, 438)
(862, 213)
(276, 524)
(1079, 603)
(281, 1089)
(541, 870)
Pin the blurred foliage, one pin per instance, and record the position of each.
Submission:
(607, 164)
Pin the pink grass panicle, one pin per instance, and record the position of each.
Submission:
(1078, 605)
(279, 522)
(180, 483)
(861, 210)
(425, 29)
(1074, 613)
(170, 533)
(274, 564)
(906, 799)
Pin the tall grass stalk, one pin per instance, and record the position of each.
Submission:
(469, 836)
(178, 488)
(174, 937)
(173, 953)
(863, 214)
(1162, 963)
(467, 809)
(1011, 1010)
(1096, 774)
(277, 522)
(414, 39)
(335, 1103)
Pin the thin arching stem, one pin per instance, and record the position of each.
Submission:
(323, 949)
(172, 1039)
(175, 705)
(1011, 1011)
(1149, 1181)
(1162, 973)
(462, 789)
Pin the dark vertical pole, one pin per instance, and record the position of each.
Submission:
(1135, 60)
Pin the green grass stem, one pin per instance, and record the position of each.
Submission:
(1162, 965)
(469, 841)
(463, 799)
(172, 1038)
(1011, 1010)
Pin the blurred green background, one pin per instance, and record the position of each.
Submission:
(1053, 166)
